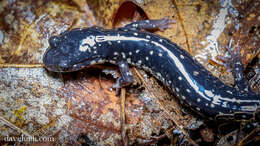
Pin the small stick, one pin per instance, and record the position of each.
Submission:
(11, 125)
(123, 125)
(6, 65)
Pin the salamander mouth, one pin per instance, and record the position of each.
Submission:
(71, 68)
(56, 62)
(78, 66)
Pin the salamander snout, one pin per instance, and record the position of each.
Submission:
(54, 60)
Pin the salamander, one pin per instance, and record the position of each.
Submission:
(173, 66)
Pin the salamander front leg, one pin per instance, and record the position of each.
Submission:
(160, 24)
(126, 76)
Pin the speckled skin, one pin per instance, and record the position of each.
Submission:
(185, 77)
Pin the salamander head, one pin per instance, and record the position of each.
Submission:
(70, 51)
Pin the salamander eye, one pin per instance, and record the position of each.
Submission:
(54, 41)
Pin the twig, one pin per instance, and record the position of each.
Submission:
(123, 125)
(9, 124)
(5, 65)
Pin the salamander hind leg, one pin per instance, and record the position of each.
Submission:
(160, 24)
(238, 70)
(235, 64)
(126, 76)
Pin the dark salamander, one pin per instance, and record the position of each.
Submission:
(185, 77)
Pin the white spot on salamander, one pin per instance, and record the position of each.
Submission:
(224, 104)
(92, 62)
(128, 60)
(90, 40)
(183, 97)
(136, 34)
(160, 54)
(146, 58)
(195, 73)
(182, 57)
(123, 55)
(209, 93)
(115, 53)
(229, 92)
(112, 61)
(148, 37)
(87, 43)
(122, 65)
(180, 78)
(84, 48)
(101, 61)
(151, 52)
